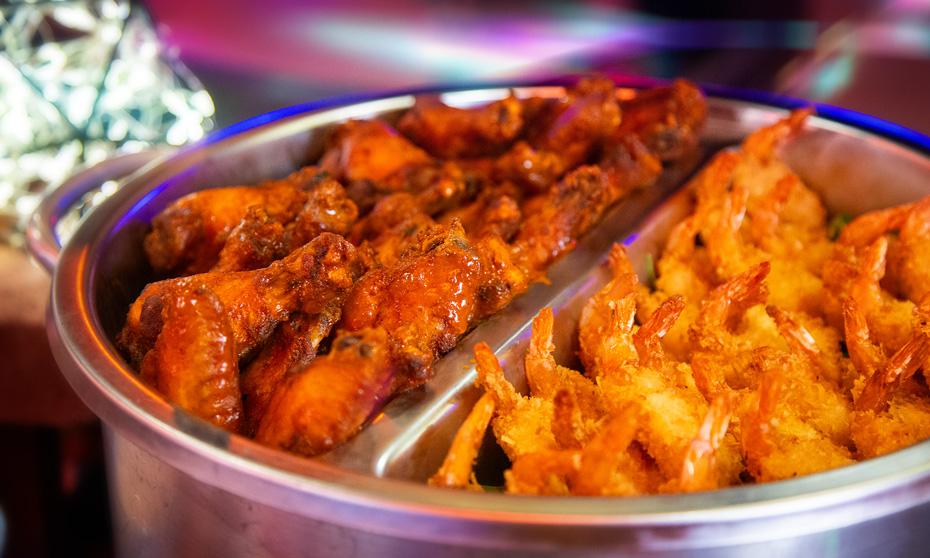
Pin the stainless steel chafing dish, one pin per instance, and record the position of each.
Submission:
(179, 485)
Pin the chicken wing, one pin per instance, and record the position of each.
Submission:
(194, 361)
(254, 302)
(449, 132)
(373, 160)
(370, 151)
(553, 224)
(327, 402)
(292, 346)
(256, 241)
(425, 302)
(493, 212)
(187, 237)
(668, 120)
(565, 137)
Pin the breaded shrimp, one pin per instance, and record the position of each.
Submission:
(699, 466)
(456, 469)
(546, 377)
(607, 319)
(892, 409)
(777, 442)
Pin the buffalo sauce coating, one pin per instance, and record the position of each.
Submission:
(194, 361)
(425, 303)
(254, 302)
(189, 234)
(324, 404)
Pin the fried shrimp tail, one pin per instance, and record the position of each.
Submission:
(491, 378)
(901, 366)
(603, 455)
(648, 338)
(456, 469)
(540, 365)
(763, 143)
(545, 472)
(699, 468)
(728, 302)
(567, 421)
(605, 326)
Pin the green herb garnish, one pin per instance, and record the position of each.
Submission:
(650, 264)
(837, 224)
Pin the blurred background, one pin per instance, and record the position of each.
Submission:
(81, 81)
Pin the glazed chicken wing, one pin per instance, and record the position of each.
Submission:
(187, 237)
(668, 120)
(254, 302)
(370, 151)
(326, 403)
(493, 212)
(425, 302)
(194, 361)
(449, 132)
(373, 160)
(565, 136)
(554, 221)
(292, 346)
(256, 241)
(445, 189)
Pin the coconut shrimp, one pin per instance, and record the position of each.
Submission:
(684, 269)
(545, 377)
(456, 469)
(776, 440)
(774, 189)
(607, 319)
(909, 254)
(721, 210)
(522, 425)
(699, 466)
(670, 404)
(811, 338)
(721, 358)
(857, 273)
(892, 408)
(601, 468)
(812, 395)
(733, 245)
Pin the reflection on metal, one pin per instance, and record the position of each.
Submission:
(80, 81)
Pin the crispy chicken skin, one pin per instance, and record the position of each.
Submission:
(254, 302)
(194, 362)
(555, 220)
(566, 136)
(450, 133)
(293, 345)
(668, 120)
(370, 151)
(424, 303)
(327, 402)
(256, 241)
(188, 236)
